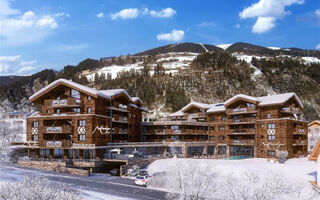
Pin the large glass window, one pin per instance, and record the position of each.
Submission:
(82, 122)
(35, 124)
(221, 128)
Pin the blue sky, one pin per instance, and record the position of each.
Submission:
(36, 35)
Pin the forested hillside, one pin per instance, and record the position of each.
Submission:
(212, 77)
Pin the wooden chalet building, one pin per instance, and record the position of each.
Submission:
(241, 126)
(75, 120)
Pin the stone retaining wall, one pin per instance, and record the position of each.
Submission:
(52, 166)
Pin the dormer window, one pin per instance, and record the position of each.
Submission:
(89, 98)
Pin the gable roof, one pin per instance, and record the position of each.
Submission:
(267, 100)
(314, 122)
(179, 113)
(196, 104)
(71, 84)
(216, 108)
(278, 99)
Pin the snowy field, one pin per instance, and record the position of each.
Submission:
(251, 175)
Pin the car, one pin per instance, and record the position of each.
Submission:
(143, 173)
(141, 180)
(114, 172)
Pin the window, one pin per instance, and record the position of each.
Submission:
(35, 137)
(271, 131)
(82, 122)
(221, 137)
(262, 125)
(212, 128)
(224, 118)
(221, 128)
(81, 137)
(89, 110)
(47, 111)
(89, 98)
(175, 127)
(211, 138)
(35, 124)
(212, 119)
(268, 115)
(271, 153)
(76, 110)
(262, 151)
(58, 111)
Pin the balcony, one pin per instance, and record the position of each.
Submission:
(299, 131)
(120, 119)
(57, 129)
(299, 142)
(242, 142)
(55, 144)
(176, 132)
(60, 103)
(120, 109)
(290, 110)
(244, 131)
(238, 111)
(197, 115)
(242, 121)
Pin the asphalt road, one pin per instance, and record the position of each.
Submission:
(111, 185)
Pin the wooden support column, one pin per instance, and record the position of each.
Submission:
(81, 154)
(28, 153)
(65, 154)
(73, 154)
(97, 156)
(50, 154)
(37, 153)
(43, 152)
(91, 155)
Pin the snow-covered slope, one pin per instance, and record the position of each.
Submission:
(224, 46)
(171, 62)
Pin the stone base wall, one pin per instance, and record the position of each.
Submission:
(52, 166)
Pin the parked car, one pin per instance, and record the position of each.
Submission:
(141, 180)
(143, 173)
(114, 172)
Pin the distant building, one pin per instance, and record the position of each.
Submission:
(16, 122)
(313, 134)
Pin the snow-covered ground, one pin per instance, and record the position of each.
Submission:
(308, 60)
(297, 172)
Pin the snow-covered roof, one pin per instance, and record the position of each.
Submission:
(240, 96)
(197, 104)
(133, 105)
(143, 108)
(73, 84)
(114, 92)
(179, 113)
(278, 99)
(134, 99)
(216, 108)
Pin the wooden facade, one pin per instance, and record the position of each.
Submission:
(75, 119)
(241, 126)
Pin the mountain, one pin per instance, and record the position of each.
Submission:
(166, 78)
(250, 49)
(7, 80)
(180, 47)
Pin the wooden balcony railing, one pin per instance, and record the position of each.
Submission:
(241, 120)
(299, 142)
(244, 131)
(57, 129)
(62, 102)
(196, 115)
(242, 142)
(299, 131)
(241, 110)
(290, 110)
(172, 132)
(55, 144)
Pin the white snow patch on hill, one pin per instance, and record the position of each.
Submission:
(274, 48)
(224, 46)
(308, 60)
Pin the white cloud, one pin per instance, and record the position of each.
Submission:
(267, 12)
(237, 26)
(17, 29)
(15, 65)
(263, 24)
(128, 13)
(132, 13)
(318, 46)
(173, 36)
(100, 15)
(207, 24)
(164, 13)
(317, 13)
(62, 48)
